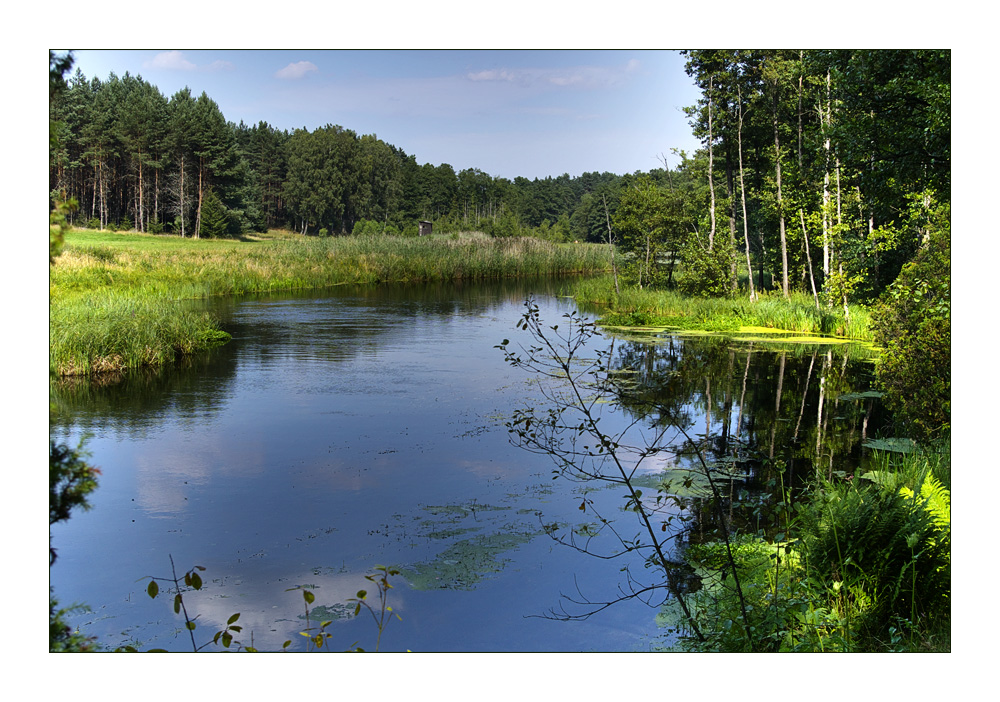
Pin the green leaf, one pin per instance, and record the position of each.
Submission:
(153, 590)
(308, 596)
(196, 581)
(177, 603)
(190, 626)
(362, 594)
(233, 618)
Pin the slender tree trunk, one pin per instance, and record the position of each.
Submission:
(800, 111)
(743, 197)
(140, 226)
(826, 124)
(156, 195)
(104, 198)
(201, 195)
(805, 238)
(711, 186)
(93, 198)
(182, 195)
(781, 211)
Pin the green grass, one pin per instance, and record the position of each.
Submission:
(644, 307)
(116, 300)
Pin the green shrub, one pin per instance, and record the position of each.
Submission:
(912, 322)
(706, 273)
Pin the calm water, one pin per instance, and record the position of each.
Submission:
(366, 426)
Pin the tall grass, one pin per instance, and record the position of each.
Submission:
(670, 308)
(114, 297)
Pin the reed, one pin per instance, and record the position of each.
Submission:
(670, 308)
(115, 299)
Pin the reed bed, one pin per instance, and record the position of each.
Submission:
(116, 299)
(632, 306)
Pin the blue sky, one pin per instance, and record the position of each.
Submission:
(509, 113)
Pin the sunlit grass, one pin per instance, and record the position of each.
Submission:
(115, 299)
(771, 310)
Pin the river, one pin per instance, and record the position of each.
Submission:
(355, 427)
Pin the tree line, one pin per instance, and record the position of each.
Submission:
(134, 159)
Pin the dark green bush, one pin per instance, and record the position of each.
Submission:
(912, 322)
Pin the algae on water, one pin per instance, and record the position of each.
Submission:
(465, 563)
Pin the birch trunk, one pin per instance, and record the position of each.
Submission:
(711, 186)
(743, 196)
(805, 238)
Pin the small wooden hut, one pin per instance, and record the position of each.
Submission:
(425, 228)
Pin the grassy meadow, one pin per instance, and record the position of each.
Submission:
(119, 300)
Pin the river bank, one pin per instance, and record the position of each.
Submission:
(645, 308)
(122, 300)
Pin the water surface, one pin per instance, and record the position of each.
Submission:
(366, 426)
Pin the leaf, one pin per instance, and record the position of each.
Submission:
(153, 589)
(308, 596)
(191, 626)
(196, 581)
(177, 603)
(233, 618)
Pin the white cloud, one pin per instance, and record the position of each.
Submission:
(294, 71)
(220, 66)
(578, 76)
(171, 61)
(502, 74)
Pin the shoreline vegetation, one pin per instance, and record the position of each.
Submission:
(119, 301)
(668, 309)
(122, 301)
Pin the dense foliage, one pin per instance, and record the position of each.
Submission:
(913, 324)
(71, 480)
